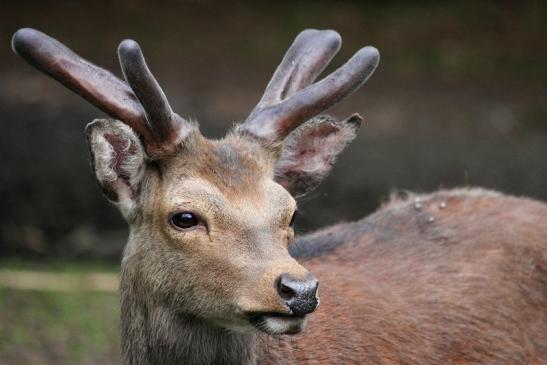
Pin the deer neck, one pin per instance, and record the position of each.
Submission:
(158, 335)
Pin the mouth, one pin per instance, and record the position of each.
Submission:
(278, 323)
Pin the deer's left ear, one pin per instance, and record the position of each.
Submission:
(309, 152)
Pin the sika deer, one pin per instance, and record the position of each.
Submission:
(210, 273)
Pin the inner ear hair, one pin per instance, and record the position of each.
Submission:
(118, 161)
(310, 151)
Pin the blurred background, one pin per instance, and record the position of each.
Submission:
(459, 99)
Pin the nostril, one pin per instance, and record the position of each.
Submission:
(284, 287)
(315, 289)
(286, 292)
(299, 295)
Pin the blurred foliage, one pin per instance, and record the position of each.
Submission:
(57, 265)
(459, 99)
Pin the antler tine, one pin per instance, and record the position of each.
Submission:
(310, 53)
(93, 83)
(274, 121)
(167, 126)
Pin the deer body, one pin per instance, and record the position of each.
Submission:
(397, 288)
(461, 288)
(212, 274)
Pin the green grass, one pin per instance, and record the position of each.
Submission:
(45, 327)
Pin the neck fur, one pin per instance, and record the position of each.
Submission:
(158, 335)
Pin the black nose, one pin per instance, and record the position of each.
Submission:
(299, 295)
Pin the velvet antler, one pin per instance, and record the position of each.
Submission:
(290, 98)
(142, 104)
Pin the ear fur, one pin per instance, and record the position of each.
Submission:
(118, 161)
(309, 152)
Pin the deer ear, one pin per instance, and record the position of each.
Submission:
(118, 161)
(309, 152)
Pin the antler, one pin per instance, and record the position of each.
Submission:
(290, 99)
(142, 105)
(165, 124)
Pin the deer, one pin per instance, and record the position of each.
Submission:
(212, 272)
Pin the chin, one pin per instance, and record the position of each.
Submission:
(279, 324)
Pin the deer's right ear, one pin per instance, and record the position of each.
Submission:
(309, 152)
(118, 161)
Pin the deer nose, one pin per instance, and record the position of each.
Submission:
(299, 295)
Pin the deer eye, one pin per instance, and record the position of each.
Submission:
(291, 223)
(184, 220)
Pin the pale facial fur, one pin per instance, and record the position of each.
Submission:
(224, 269)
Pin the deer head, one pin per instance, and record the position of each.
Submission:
(211, 220)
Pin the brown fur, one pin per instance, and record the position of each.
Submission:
(427, 279)
(468, 287)
(456, 277)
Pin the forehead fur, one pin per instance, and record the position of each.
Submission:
(233, 164)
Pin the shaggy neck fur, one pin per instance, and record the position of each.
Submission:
(157, 335)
